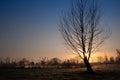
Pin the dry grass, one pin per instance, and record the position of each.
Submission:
(102, 72)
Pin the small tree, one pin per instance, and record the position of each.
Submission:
(118, 56)
(55, 62)
(100, 59)
(79, 28)
(43, 62)
(112, 60)
(23, 63)
(106, 60)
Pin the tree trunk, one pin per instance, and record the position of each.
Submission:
(88, 66)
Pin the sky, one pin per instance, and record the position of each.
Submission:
(29, 28)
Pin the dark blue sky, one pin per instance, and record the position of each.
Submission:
(29, 28)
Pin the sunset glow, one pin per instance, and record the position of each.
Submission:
(30, 29)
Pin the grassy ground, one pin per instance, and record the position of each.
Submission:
(102, 72)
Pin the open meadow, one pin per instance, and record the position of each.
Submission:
(101, 72)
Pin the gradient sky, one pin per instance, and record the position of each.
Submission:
(29, 28)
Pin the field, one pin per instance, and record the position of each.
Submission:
(102, 72)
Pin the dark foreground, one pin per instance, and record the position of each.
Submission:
(102, 72)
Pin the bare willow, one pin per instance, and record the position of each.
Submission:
(80, 28)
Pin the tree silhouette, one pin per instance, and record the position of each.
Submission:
(106, 59)
(118, 56)
(43, 62)
(55, 62)
(80, 30)
(23, 63)
(112, 59)
(100, 59)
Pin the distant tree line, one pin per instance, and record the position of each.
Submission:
(107, 60)
(54, 62)
(50, 63)
(111, 59)
(42, 63)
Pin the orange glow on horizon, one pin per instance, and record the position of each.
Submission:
(94, 57)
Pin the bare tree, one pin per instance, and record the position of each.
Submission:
(118, 56)
(106, 59)
(23, 63)
(55, 62)
(112, 59)
(100, 59)
(80, 30)
(43, 62)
